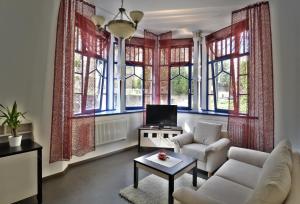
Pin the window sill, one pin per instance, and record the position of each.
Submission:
(204, 112)
(212, 113)
(108, 113)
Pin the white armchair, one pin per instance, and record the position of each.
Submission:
(208, 144)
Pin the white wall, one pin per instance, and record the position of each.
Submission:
(27, 39)
(285, 17)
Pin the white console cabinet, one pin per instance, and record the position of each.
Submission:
(157, 137)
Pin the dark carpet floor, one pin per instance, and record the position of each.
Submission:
(96, 182)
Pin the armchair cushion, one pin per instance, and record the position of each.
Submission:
(207, 133)
(183, 139)
(195, 150)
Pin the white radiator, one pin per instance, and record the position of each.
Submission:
(111, 131)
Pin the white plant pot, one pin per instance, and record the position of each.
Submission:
(15, 141)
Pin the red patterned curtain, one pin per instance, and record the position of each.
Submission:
(83, 128)
(214, 43)
(157, 60)
(255, 129)
(163, 69)
(62, 110)
(152, 72)
(74, 103)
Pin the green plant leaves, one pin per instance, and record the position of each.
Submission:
(11, 117)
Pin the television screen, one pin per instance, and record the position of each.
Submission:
(161, 115)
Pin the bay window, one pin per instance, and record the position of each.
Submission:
(134, 85)
(180, 77)
(148, 80)
(90, 72)
(164, 75)
(180, 86)
(170, 66)
(224, 61)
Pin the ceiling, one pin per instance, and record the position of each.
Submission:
(180, 16)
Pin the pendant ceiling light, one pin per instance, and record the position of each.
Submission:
(119, 26)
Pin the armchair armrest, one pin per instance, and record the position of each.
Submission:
(183, 139)
(218, 145)
(253, 157)
(188, 196)
(216, 154)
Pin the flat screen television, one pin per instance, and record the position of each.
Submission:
(161, 115)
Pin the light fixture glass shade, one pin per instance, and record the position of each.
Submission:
(121, 28)
(98, 20)
(136, 16)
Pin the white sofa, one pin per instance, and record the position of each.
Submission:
(207, 143)
(250, 177)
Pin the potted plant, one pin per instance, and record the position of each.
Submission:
(11, 118)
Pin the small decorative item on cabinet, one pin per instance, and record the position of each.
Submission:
(12, 118)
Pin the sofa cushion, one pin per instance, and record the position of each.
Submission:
(225, 191)
(240, 172)
(275, 180)
(195, 150)
(282, 152)
(207, 133)
(294, 195)
(186, 195)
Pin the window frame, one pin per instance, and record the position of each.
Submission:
(214, 94)
(78, 49)
(115, 66)
(184, 63)
(84, 80)
(227, 56)
(143, 86)
(147, 52)
(139, 63)
(189, 79)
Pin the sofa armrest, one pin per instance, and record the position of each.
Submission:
(218, 145)
(188, 196)
(183, 139)
(253, 157)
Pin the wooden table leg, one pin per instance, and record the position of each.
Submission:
(39, 176)
(135, 176)
(171, 189)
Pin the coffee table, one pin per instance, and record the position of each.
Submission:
(170, 173)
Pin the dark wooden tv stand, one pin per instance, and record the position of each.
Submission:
(157, 137)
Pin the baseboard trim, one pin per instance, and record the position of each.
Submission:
(59, 174)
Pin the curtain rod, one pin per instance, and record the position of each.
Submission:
(251, 6)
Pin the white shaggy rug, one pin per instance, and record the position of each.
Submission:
(154, 190)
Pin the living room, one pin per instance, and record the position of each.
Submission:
(89, 90)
